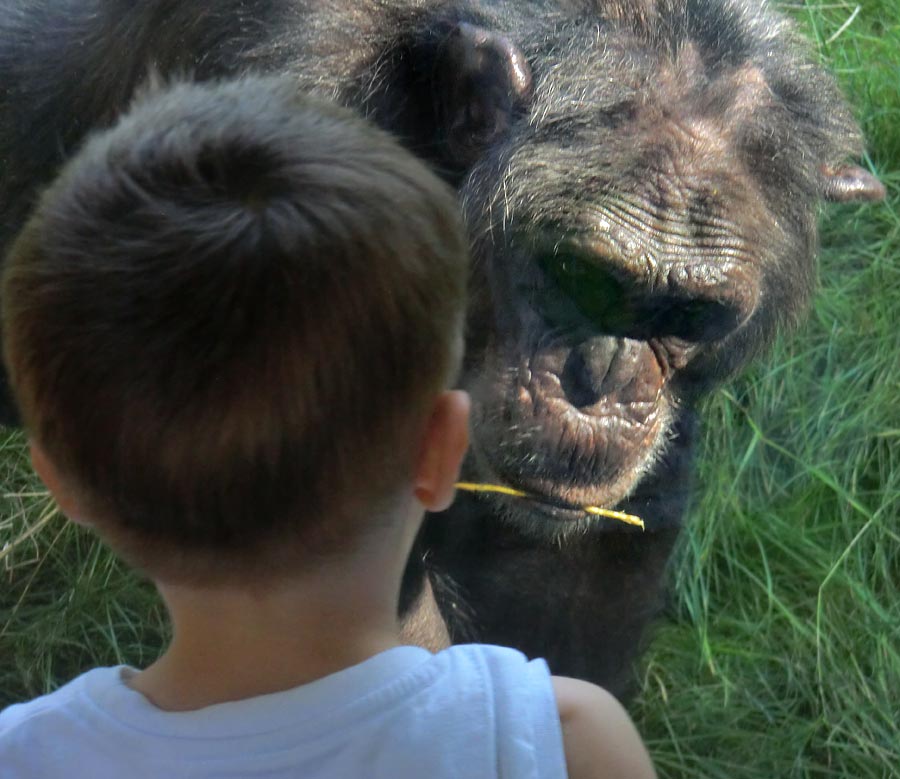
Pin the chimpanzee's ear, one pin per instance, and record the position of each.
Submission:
(849, 183)
(481, 80)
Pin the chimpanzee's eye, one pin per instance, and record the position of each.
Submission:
(587, 291)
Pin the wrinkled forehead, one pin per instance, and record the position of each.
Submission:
(690, 107)
(590, 75)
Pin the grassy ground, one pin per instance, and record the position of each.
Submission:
(780, 654)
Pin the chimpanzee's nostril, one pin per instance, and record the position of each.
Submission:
(576, 381)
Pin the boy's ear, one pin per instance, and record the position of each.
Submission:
(65, 498)
(445, 443)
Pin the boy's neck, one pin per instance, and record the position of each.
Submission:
(231, 643)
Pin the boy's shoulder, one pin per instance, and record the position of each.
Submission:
(37, 733)
(19, 715)
(518, 699)
(506, 670)
(599, 737)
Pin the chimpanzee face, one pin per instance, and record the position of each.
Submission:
(642, 211)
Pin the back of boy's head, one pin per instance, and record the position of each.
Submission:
(225, 322)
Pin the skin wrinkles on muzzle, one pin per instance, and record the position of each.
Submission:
(551, 447)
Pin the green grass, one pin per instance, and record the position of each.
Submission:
(779, 654)
(65, 603)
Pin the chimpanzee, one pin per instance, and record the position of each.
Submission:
(640, 179)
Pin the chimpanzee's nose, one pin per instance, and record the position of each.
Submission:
(694, 301)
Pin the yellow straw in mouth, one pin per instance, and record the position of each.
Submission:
(621, 516)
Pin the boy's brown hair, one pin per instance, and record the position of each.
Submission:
(224, 323)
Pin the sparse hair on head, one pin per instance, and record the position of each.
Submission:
(225, 322)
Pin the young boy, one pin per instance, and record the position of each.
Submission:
(230, 326)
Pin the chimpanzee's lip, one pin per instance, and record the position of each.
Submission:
(589, 480)
(566, 457)
(548, 507)
(564, 514)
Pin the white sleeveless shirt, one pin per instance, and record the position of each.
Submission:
(470, 711)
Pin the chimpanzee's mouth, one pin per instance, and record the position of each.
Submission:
(581, 424)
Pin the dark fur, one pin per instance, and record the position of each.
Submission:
(697, 118)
